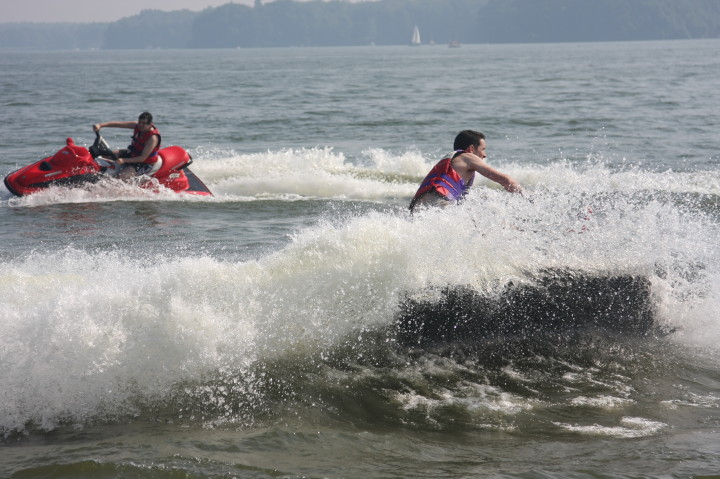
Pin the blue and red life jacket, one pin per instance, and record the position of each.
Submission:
(139, 139)
(445, 181)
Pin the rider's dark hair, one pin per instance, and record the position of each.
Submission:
(467, 138)
(146, 115)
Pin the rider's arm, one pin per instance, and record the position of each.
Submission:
(147, 149)
(115, 124)
(506, 181)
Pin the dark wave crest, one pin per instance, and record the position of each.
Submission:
(556, 302)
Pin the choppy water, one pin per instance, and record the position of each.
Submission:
(253, 334)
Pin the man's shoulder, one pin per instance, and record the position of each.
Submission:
(465, 159)
(467, 164)
(471, 159)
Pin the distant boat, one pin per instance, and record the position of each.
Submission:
(415, 36)
(454, 44)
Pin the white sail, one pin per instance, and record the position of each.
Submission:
(416, 36)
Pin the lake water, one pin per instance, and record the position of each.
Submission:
(254, 334)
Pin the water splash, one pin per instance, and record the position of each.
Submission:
(93, 335)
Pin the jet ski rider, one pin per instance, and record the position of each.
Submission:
(451, 178)
(141, 156)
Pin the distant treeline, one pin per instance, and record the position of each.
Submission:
(384, 22)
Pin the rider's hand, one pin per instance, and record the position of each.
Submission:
(96, 127)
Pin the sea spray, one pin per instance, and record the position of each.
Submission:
(91, 335)
(302, 173)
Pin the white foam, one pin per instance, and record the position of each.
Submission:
(604, 402)
(306, 173)
(376, 175)
(630, 427)
(89, 332)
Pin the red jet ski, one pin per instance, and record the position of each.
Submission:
(75, 165)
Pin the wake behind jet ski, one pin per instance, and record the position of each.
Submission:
(75, 166)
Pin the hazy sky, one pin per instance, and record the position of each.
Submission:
(94, 10)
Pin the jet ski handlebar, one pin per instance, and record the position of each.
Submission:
(100, 147)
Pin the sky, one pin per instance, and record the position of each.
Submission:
(95, 10)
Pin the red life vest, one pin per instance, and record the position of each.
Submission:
(445, 181)
(138, 144)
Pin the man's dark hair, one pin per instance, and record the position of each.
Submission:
(146, 116)
(467, 138)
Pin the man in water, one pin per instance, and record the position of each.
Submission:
(452, 177)
(141, 156)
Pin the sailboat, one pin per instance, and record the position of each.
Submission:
(415, 37)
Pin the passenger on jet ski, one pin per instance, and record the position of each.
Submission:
(451, 178)
(141, 156)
